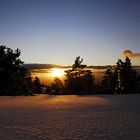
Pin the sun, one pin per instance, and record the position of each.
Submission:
(56, 72)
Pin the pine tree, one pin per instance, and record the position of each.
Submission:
(37, 87)
(14, 78)
(108, 82)
(57, 86)
(121, 79)
(78, 79)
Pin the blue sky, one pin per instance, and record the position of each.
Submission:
(56, 31)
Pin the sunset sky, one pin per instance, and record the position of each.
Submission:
(56, 31)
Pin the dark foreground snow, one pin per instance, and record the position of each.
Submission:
(45, 117)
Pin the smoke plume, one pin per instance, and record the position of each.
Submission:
(130, 54)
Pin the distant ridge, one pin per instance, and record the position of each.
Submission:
(100, 67)
(45, 66)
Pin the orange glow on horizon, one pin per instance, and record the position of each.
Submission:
(56, 72)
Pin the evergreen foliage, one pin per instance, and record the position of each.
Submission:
(37, 87)
(57, 86)
(108, 83)
(126, 77)
(78, 79)
(121, 79)
(14, 78)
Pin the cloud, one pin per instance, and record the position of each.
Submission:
(130, 54)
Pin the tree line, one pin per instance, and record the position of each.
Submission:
(119, 79)
(15, 79)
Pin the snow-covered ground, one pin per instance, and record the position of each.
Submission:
(70, 117)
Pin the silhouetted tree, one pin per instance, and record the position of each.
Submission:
(57, 86)
(121, 79)
(37, 87)
(14, 78)
(108, 83)
(126, 77)
(137, 85)
(78, 79)
(78, 63)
